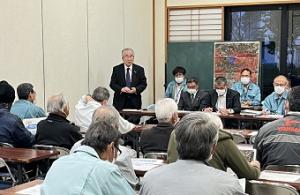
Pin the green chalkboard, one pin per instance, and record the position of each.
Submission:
(196, 58)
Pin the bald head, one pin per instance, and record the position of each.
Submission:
(280, 84)
(281, 79)
(106, 114)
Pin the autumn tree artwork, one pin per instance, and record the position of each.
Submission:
(231, 57)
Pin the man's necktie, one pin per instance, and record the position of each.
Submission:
(192, 98)
(127, 78)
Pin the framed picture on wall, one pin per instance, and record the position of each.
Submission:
(231, 57)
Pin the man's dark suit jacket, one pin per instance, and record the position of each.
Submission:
(185, 102)
(117, 82)
(157, 138)
(232, 100)
(57, 131)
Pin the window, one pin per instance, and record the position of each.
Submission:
(195, 24)
(278, 29)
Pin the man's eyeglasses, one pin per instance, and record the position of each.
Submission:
(119, 151)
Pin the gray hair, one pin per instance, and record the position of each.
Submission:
(195, 135)
(57, 103)
(100, 134)
(220, 80)
(127, 49)
(107, 114)
(164, 109)
(23, 90)
(100, 94)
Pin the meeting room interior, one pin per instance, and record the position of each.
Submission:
(118, 97)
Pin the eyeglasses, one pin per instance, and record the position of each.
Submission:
(119, 151)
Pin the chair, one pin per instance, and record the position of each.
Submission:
(285, 168)
(254, 187)
(252, 139)
(144, 119)
(156, 155)
(7, 145)
(7, 178)
(62, 151)
(238, 138)
(42, 169)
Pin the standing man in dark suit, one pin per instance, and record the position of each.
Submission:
(190, 99)
(221, 99)
(128, 80)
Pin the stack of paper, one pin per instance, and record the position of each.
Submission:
(145, 164)
(280, 176)
(35, 190)
(248, 112)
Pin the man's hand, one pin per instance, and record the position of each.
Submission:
(246, 103)
(265, 112)
(88, 98)
(224, 111)
(209, 109)
(255, 163)
(133, 90)
(125, 90)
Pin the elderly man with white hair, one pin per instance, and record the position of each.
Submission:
(156, 139)
(56, 129)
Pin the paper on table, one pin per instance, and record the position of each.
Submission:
(243, 184)
(251, 111)
(144, 164)
(270, 116)
(280, 176)
(31, 124)
(253, 133)
(128, 109)
(34, 190)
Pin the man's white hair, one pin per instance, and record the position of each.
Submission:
(217, 121)
(127, 49)
(164, 109)
(57, 103)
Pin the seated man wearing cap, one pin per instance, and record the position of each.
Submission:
(12, 130)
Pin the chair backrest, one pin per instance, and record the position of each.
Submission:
(7, 145)
(262, 188)
(285, 168)
(238, 138)
(252, 139)
(156, 155)
(62, 151)
(9, 173)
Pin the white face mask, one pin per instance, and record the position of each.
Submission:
(192, 91)
(220, 92)
(179, 79)
(245, 80)
(279, 90)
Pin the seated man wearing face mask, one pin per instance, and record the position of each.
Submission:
(190, 99)
(249, 92)
(221, 99)
(277, 142)
(178, 85)
(89, 169)
(274, 103)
